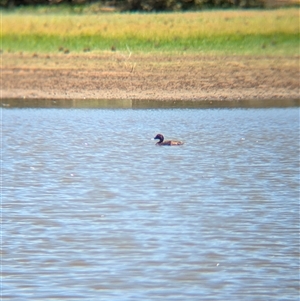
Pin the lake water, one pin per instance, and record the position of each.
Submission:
(93, 210)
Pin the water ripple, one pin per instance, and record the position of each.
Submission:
(93, 210)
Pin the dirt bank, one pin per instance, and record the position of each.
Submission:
(149, 76)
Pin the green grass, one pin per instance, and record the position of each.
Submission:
(224, 32)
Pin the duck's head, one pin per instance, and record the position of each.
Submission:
(160, 137)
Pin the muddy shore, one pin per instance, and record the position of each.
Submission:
(148, 77)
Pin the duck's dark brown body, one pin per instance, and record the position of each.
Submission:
(168, 142)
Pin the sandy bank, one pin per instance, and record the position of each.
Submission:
(146, 77)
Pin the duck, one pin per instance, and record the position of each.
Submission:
(168, 142)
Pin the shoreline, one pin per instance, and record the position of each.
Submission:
(145, 104)
(149, 77)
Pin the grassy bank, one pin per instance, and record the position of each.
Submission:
(219, 32)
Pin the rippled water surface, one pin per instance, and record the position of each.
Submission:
(93, 210)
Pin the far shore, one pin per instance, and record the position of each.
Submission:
(178, 77)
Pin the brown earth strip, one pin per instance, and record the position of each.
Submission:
(149, 76)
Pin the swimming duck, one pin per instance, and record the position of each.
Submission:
(169, 142)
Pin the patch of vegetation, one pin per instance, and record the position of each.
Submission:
(230, 31)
